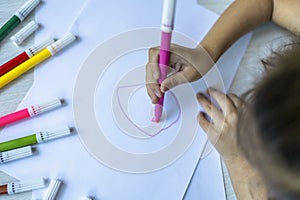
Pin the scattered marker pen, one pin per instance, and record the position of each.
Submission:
(17, 18)
(53, 189)
(15, 154)
(164, 51)
(24, 33)
(29, 112)
(36, 59)
(22, 186)
(28, 53)
(36, 138)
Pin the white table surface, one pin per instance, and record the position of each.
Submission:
(249, 69)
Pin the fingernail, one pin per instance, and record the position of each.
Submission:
(163, 89)
(154, 100)
(199, 95)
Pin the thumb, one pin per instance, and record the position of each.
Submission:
(172, 81)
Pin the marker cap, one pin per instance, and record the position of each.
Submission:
(23, 186)
(51, 135)
(40, 108)
(15, 154)
(168, 15)
(52, 189)
(20, 36)
(26, 9)
(38, 47)
(61, 43)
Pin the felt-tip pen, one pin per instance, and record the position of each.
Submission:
(15, 154)
(39, 137)
(29, 112)
(22, 186)
(36, 59)
(18, 17)
(164, 51)
(22, 57)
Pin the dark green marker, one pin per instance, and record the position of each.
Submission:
(17, 18)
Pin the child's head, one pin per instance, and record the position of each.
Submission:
(269, 129)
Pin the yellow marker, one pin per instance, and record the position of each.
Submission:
(35, 60)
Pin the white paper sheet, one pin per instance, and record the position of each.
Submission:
(67, 158)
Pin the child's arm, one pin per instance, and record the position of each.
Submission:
(238, 19)
(192, 63)
(286, 14)
(241, 17)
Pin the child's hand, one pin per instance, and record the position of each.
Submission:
(221, 130)
(186, 65)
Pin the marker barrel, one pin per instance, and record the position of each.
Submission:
(35, 138)
(36, 59)
(17, 143)
(22, 57)
(24, 67)
(9, 26)
(13, 117)
(6, 67)
(164, 55)
(17, 18)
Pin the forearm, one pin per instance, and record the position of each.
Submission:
(247, 183)
(286, 14)
(239, 18)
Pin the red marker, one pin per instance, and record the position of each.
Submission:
(31, 111)
(28, 53)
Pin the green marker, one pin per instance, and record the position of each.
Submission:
(17, 18)
(36, 138)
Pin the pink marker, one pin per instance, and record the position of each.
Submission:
(164, 52)
(29, 112)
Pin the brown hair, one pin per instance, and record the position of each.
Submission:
(269, 129)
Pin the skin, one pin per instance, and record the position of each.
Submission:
(222, 131)
(183, 61)
(192, 63)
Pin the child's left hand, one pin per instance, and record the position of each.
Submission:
(221, 129)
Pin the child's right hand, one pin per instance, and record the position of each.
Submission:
(186, 65)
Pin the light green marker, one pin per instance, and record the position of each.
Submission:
(36, 138)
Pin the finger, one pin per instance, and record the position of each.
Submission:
(153, 54)
(154, 98)
(152, 75)
(208, 128)
(237, 101)
(152, 72)
(186, 74)
(223, 101)
(203, 122)
(153, 88)
(152, 64)
(172, 81)
(212, 111)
